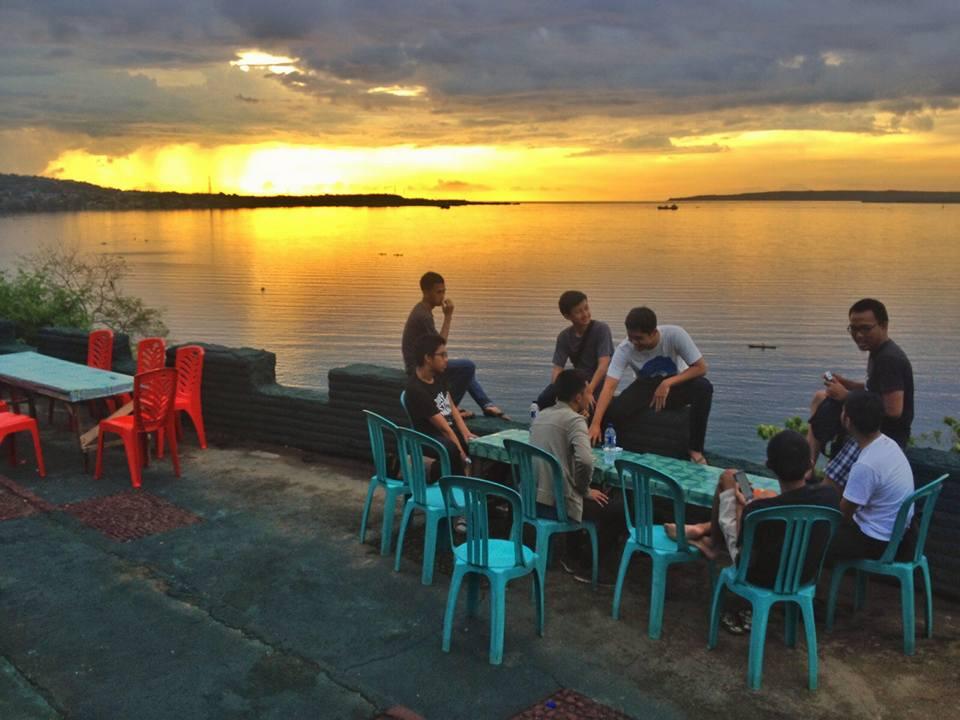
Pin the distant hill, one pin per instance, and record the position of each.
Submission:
(31, 193)
(867, 196)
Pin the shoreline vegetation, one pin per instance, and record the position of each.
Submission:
(32, 193)
(864, 196)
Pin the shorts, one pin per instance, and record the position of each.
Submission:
(838, 469)
(728, 521)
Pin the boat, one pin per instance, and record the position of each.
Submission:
(761, 346)
(668, 207)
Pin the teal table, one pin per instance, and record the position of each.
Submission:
(699, 482)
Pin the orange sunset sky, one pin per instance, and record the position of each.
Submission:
(495, 100)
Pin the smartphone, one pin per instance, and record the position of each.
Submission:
(828, 376)
(744, 484)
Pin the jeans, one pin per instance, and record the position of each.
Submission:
(697, 393)
(611, 526)
(462, 378)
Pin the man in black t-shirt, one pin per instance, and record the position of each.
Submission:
(889, 374)
(430, 406)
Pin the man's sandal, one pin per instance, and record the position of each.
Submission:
(494, 411)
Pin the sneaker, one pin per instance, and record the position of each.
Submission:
(603, 579)
(567, 567)
(730, 621)
(460, 526)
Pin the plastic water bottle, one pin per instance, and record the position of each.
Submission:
(609, 445)
(534, 411)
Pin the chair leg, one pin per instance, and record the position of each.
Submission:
(12, 449)
(716, 607)
(810, 633)
(473, 594)
(131, 444)
(928, 594)
(595, 549)
(836, 577)
(196, 416)
(658, 589)
(621, 576)
(758, 637)
(790, 624)
(36, 448)
(371, 489)
(98, 469)
(455, 581)
(908, 613)
(174, 453)
(386, 530)
(860, 591)
(542, 547)
(407, 512)
(541, 600)
(498, 611)
(430, 547)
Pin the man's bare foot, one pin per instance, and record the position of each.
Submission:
(693, 532)
(494, 411)
(706, 546)
(697, 457)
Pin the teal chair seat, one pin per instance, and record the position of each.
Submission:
(790, 587)
(903, 571)
(498, 560)
(643, 536)
(428, 499)
(379, 428)
(523, 460)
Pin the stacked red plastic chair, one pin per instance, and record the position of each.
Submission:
(151, 355)
(153, 398)
(189, 364)
(10, 425)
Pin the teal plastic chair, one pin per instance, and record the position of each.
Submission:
(500, 561)
(426, 498)
(643, 536)
(523, 456)
(902, 571)
(799, 522)
(403, 404)
(379, 428)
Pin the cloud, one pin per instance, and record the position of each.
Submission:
(458, 186)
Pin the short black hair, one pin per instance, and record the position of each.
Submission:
(865, 410)
(569, 300)
(878, 309)
(641, 319)
(430, 279)
(788, 455)
(427, 345)
(569, 384)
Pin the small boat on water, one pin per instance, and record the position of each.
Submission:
(668, 207)
(761, 346)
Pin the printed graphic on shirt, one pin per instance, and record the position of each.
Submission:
(443, 405)
(660, 366)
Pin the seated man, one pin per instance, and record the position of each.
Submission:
(587, 343)
(670, 373)
(562, 430)
(430, 406)
(876, 487)
(461, 373)
(788, 456)
(889, 373)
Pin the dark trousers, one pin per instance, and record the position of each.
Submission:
(851, 543)
(611, 526)
(697, 393)
(453, 450)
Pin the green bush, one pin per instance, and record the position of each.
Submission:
(65, 287)
(767, 431)
(949, 438)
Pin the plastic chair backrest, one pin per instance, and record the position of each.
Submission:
(925, 496)
(523, 459)
(403, 404)
(153, 397)
(476, 493)
(189, 365)
(799, 521)
(646, 482)
(100, 349)
(151, 354)
(413, 444)
(378, 427)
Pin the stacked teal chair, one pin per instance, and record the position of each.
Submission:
(379, 428)
(789, 586)
(499, 560)
(902, 571)
(403, 404)
(643, 536)
(523, 457)
(426, 498)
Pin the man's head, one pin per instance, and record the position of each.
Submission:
(574, 307)
(571, 387)
(868, 323)
(433, 288)
(862, 413)
(642, 331)
(788, 455)
(431, 350)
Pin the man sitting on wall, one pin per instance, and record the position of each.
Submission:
(669, 372)
(461, 373)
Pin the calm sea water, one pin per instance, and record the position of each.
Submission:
(337, 284)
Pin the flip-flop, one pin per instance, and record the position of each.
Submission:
(498, 413)
(467, 414)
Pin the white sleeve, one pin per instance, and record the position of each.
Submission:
(685, 347)
(619, 362)
(860, 484)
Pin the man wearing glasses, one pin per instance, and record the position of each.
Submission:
(889, 374)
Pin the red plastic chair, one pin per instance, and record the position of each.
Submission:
(153, 398)
(189, 364)
(151, 355)
(100, 356)
(10, 424)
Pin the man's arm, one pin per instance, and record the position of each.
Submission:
(659, 400)
(598, 375)
(458, 421)
(582, 455)
(447, 308)
(444, 427)
(606, 396)
(848, 508)
(554, 372)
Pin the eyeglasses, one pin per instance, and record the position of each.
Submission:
(439, 354)
(860, 329)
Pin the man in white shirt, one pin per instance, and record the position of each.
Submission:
(670, 372)
(878, 483)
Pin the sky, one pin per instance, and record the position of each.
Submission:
(485, 100)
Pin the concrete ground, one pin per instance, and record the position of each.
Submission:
(268, 607)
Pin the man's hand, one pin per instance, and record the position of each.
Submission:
(598, 496)
(835, 389)
(595, 434)
(740, 497)
(447, 307)
(591, 401)
(468, 436)
(659, 401)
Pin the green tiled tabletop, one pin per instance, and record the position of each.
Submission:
(699, 482)
(61, 379)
